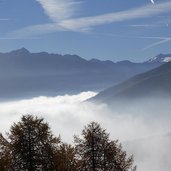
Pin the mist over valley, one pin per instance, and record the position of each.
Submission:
(37, 74)
(131, 111)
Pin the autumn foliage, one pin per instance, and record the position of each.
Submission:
(31, 146)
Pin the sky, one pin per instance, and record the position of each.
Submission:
(108, 29)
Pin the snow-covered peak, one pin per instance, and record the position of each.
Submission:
(167, 59)
(161, 58)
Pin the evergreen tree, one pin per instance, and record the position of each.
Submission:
(4, 154)
(66, 158)
(32, 145)
(97, 153)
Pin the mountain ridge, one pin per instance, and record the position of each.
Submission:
(25, 73)
(156, 82)
(158, 58)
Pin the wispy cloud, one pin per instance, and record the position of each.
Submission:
(144, 25)
(59, 10)
(152, 1)
(37, 30)
(162, 41)
(4, 19)
(18, 38)
(137, 13)
(64, 21)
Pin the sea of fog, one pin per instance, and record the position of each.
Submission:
(146, 137)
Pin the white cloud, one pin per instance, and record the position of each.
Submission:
(152, 153)
(68, 111)
(141, 12)
(152, 1)
(67, 116)
(36, 30)
(59, 9)
(62, 12)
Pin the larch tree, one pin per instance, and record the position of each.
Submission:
(32, 145)
(5, 157)
(66, 158)
(97, 153)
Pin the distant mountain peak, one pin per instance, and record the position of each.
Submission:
(20, 51)
(161, 58)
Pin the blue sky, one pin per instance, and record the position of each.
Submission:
(103, 29)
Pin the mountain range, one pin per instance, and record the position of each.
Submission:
(161, 58)
(26, 74)
(154, 84)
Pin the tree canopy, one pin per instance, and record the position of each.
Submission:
(98, 153)
(31, 146)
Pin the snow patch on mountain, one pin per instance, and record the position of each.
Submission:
(167, 59)
(161, 58)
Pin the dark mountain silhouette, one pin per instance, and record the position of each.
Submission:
(31, 74)
(152, 84)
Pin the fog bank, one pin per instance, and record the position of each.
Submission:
(68, 114)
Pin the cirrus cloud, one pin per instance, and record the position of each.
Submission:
(59, 10)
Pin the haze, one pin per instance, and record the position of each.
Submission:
(144, 135)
